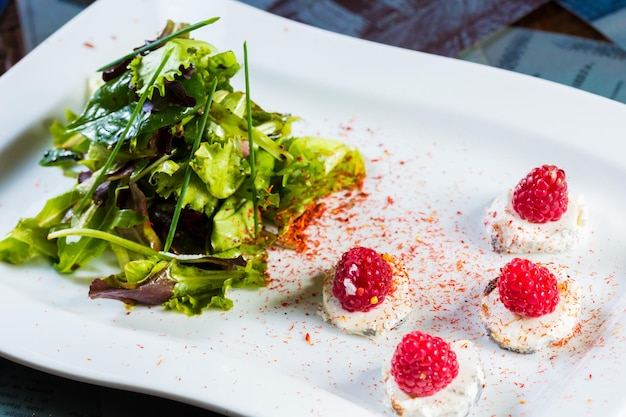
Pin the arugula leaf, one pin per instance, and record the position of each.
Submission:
(75, 254)
(26, 241)
(59, 156)
(29, 237)
(110, 108)
(107, 113)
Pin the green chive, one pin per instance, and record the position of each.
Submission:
(109, 237)
(185, 185)
(251, 157)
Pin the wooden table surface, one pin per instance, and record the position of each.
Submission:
(550, 17)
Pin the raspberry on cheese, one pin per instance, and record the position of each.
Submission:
(429, 377)
(537, 215)
(366, 293)
(527, 307)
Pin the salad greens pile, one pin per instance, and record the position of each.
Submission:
(185, 180)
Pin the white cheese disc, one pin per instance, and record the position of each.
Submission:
(384, 317)
(509, 233)
(527, 335)
(455, 400)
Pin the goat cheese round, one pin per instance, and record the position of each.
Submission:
(528, 335)
(455, 400)
(509, 233)
(384, 317)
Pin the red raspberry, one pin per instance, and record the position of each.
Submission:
(423, 364)
(541, 196)
(528, 289)
(362, 279)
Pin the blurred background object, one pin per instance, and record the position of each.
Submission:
(40, 18)
(438, 27)
(11, 42)
(459, 24)
(26, 23)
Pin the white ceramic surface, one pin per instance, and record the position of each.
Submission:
(442, 138)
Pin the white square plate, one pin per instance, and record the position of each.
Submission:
(441, 137)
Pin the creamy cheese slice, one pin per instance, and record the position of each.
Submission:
(527, 335)
(509, 233)
(384, 317)
(455, 400)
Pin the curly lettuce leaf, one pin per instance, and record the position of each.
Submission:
(221, 166)
(233, 224)
(167, 179)
(183, 53)
(320, 167)
(228, 111)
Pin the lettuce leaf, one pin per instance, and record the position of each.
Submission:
(221, 167)
(320, 167)
(175, 285)
(167, 179)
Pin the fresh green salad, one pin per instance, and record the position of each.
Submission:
(187, 181)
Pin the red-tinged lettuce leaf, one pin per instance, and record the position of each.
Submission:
(155, 290)
(183, 287)
(136, 202)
